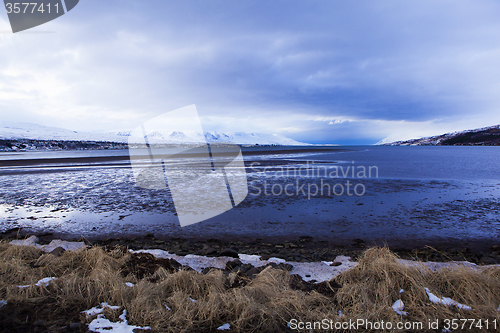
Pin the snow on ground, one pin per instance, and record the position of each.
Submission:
(103, 325)
(318, 271)
(398, 307)
(45, 281)
(309, 271)
(435, 266)
(97, 310)
(445, 301)
(224, 327)
(41, 283)
(32, 241)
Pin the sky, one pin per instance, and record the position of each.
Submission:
(337, 72)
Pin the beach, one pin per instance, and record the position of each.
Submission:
(95, 197)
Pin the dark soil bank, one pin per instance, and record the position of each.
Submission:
(301, 249)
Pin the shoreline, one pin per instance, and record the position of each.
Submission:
(91, 160)
(76, 288)
(299, 249)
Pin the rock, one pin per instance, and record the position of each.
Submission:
(488, 260)
(75, 326)
(231, 265)
(39, 323)
(335, 263)
(208, 250)
(207, 270)
(187, 246)
(145, 264)
(228, 253)
(315, 257)
(58, 251)
(245, 268)
(254, 271)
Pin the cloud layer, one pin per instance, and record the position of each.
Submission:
(316, 71)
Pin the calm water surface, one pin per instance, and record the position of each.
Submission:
(419, 195)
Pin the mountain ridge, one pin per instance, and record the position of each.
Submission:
(31, 131)
(484, 136)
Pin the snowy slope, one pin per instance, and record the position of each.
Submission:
(480, 136)
(11, 130)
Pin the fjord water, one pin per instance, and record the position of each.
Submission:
(480, 163)
(421, 195)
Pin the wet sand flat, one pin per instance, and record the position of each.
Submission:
(102, 201)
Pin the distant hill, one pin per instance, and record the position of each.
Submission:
(486, 136)
(29, 131)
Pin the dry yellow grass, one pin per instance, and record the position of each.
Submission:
(264, 304)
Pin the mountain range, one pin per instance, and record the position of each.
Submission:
(485, 136)
(15, 131)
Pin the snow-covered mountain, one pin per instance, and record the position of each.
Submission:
(15, 130)
(11, 130)
(216, 137)
(485, 136)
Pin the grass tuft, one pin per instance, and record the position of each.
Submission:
(202, 302)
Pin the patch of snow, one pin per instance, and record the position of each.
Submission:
(317, 271)
(276, 260)
(45, 281)
(435, 266)
(224, 327)
(249, 257)
(96, 310)
(196, 262)
(192, 300)
(68, 246)
(166, 306)
(103, 325)
(41, 283)
(398, 307)
(129, 284)
(445, 301)
(341, 315)
(32, 241)
(401, 291)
